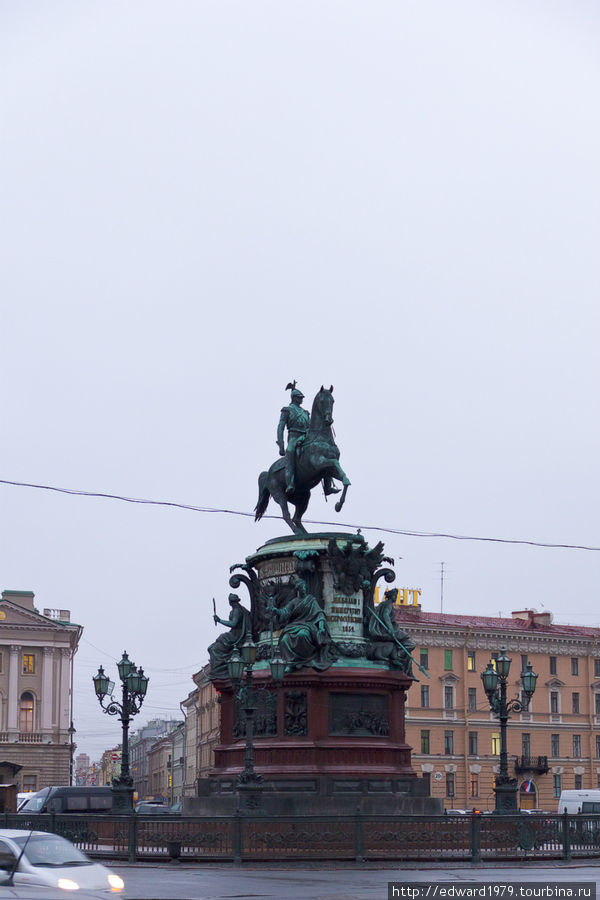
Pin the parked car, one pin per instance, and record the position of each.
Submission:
(68, 800)
(23, 797)
(42, 858)
(151, 808)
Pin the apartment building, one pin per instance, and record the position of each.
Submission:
(554, 745)
(202, 731)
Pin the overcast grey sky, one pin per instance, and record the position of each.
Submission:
(202, 201)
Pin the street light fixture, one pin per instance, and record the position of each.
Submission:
(249, 780)
(494, 678)
(71, 730)
(134, 686)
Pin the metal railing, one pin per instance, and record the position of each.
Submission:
(359, 837)
(531, 764)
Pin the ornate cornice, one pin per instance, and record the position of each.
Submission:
(440, 636)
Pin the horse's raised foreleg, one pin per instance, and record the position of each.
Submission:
(339, 473)
(340, 502)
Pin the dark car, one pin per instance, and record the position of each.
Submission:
(63, 799)
(150, 808)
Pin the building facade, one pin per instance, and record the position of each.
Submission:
(36, 691)
(177, 768)
(82, 765)
(159, 769)
(110, 765)
(553, 746)
(140, 743)
(202, 728)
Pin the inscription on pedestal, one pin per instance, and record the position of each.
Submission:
(344, 615)
(275, 568)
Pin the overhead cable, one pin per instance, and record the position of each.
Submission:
(361, 527)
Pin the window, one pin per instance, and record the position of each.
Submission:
(447, 659)
(29, 783)
(526, 744)
(448, 696)
(472, 743)
(424, 657)
(553, 665)
(449, 784)
(554, 702)
(597, 668)
(425, 741)
(578, 782)
(557, 785)
(28, 664)
(598, 746)
(555, 745)
(424, 695)
(471, 661)
(26, 712)
(496, 743)
(574, 665)
(449, 743)
(472, 699)
(575, 698)
(577, 745)
(597, 704)
(598, 780)
(1, 662)
(474, 784)
(524, 662)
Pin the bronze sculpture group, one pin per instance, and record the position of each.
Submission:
(293, 609)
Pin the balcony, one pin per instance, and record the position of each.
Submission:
(22, 737)
(537, 764)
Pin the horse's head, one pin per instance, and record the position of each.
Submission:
(323, 406)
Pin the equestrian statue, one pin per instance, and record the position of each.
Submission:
(311, 456)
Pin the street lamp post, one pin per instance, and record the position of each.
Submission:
(250, 782)
(134, 684)
(494, 680)
(71, 732)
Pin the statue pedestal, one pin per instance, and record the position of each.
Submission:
(324, 741)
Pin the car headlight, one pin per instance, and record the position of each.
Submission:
(116, 883)
(67, 885)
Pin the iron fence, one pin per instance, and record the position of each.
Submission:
(359, 837)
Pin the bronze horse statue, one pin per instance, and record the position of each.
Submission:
(318, 457)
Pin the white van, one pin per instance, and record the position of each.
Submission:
(579, 802)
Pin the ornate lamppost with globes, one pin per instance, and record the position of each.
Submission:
(134, 685)
(494, 679)
(249, 782)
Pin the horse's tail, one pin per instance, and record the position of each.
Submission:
(263, 496)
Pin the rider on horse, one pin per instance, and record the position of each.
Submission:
(297, 421)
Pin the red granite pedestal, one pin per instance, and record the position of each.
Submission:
(325, 741)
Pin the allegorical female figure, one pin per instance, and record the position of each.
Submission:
(305, 639)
